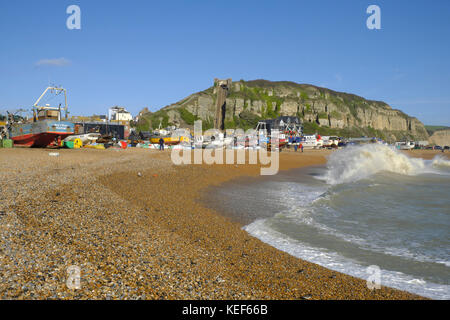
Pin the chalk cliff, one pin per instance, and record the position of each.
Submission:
(322, 110)
(440, 138)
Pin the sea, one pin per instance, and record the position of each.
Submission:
(371, 207)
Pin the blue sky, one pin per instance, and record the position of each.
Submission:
(153, 53)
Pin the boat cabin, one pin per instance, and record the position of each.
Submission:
(48, 114)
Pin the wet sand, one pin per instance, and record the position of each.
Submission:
(133, 223)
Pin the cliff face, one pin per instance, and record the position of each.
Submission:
(322, 110)
(441, 138)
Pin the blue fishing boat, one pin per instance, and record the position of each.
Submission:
(47, 128)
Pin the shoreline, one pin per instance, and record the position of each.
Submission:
(319, 272)
(209, 198)
(423, 154)
(144, 237)
(240, 189)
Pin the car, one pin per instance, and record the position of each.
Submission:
(447, 148)
(437, 148)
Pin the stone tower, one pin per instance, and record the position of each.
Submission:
(221, 88)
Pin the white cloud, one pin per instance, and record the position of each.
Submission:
(59, 62)
(338, 77)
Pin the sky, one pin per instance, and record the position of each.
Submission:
(151, 54)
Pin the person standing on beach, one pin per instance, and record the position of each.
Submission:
(161, 144)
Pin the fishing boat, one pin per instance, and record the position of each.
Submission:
(408, 145)
(215, 140)
(330, 141)
(46, 129)
(85, 138)
(170, 138)
(311, 141)
(264, 132)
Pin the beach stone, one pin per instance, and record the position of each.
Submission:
(102, 222)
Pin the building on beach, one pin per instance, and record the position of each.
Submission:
(116, 130)
(284, 124)
(119, 114)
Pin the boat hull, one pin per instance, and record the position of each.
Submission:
(170, 141)
(41, 133)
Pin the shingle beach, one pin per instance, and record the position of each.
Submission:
(130, 220)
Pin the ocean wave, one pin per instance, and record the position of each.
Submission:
(440, 162)
(262, 230)
(329, 203)
(305, 216)
(359, 162)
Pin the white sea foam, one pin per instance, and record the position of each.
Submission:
(440, 162)
(318, 223)
(262, 230)
(358, 162)
(304, 215)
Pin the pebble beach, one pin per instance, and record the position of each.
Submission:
(132, 222)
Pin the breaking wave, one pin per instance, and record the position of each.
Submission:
(379, 207)
(358, 162)
(440, 162)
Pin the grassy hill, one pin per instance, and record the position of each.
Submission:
(322, 111)
(432, 129)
